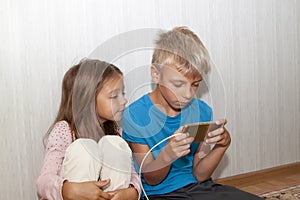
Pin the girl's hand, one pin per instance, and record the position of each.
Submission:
(90, 190)
(220, 136)
(124, 194)
(178, 146)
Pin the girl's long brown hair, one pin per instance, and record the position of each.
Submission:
(80, 87)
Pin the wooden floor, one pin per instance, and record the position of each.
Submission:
(266, 180)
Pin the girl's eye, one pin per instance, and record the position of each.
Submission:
(196, 85)
(114, 96)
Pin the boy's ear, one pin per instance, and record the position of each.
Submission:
(154, 74)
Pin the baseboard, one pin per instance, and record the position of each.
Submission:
(257, 176)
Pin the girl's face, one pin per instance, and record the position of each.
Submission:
(110, 100)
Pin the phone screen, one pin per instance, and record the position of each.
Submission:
(200, 130)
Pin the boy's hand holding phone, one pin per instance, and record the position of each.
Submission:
(220, 136)
(209, 132)
(178, 146)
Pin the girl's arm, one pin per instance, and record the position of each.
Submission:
(205, 165)
(135, 189)
(135, 181)
(125, 194)
(49, 183)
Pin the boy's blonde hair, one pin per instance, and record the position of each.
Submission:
(181, 48)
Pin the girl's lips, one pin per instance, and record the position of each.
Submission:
(121, 111)
(183, 103)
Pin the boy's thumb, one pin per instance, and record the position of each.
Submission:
(102, 184)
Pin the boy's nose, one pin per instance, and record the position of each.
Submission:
(188, 93)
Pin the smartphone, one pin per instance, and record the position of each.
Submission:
(199, 130)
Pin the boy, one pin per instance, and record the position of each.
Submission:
(177, 168)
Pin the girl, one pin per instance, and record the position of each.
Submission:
(91, 103)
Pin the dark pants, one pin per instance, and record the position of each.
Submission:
(207, 190)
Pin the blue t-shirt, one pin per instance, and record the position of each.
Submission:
(144, 123)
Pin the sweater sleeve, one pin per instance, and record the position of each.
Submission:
(135, 180)
(49, 183)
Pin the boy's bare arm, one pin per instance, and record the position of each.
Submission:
(204, 166)
(155, 170)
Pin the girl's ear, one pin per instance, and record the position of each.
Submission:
(155, 74)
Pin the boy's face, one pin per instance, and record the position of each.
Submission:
(176, 89)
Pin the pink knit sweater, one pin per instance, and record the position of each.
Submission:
(49, 183)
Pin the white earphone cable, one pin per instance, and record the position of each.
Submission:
(140, 170)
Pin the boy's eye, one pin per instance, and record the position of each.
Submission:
(178, 84)
(195, 85)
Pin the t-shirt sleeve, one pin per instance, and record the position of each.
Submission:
(131, 128)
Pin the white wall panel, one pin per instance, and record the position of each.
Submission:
(254, 82)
